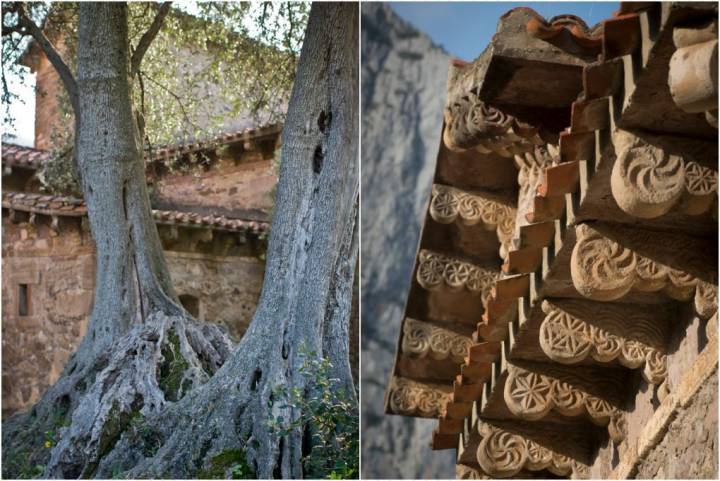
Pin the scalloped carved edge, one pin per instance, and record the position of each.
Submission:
(647, 182)
(504, 454)
(568, 340)
(603, 270)
(421, 339)
(449, 204)
(532, 395)
(410, 397)
(472, 124)
(436, 271)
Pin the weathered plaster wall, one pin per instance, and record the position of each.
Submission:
(242, 188)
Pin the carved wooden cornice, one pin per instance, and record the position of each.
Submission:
(504, 454)
(436, 271)
(604, 270)
(413, 398)
(648, 182)
(422, 339)
(472, 124)
(532, 394)
(617, 332)
(449, 204)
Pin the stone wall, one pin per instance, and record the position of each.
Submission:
(58, 269)
(689, 449)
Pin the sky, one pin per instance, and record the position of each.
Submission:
(464, 29)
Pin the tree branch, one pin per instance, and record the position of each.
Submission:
(148, 37)
(53, 56)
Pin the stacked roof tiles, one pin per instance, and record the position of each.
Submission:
(572, 221)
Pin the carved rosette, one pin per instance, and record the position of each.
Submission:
(603, 270)
(466, 472)
(472, 124)
(531, 173)
(413, 398)
(421, 339)
(532, 395)
(449, 204)
(436, 271)
(568, 340)
(503, 454)
(647, 181)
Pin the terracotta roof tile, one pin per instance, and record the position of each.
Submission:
(19, 155)
(68, 206)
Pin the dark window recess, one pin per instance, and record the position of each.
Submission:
(191, 304)
(23, 300)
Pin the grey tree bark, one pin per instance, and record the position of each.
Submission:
(150, 392)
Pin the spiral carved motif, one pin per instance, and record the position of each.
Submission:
(410, 397)
(503, 454)
(532, 395)
(647, 181)
(435, 270)
(568, 340)
(422, 339)
(449, 204)
(604, 270)
(472, 124)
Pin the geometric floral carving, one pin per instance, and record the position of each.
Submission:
(436, 270)
(630, 337)
(647, 181)
(504, 454)
(604, 270)
(448, 204)
(409, 397)
(422, 339)
(532, 395)
(471, 124)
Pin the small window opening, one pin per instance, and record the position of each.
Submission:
(191, 304)
(23, 300)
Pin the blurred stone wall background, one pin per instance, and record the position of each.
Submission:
(403, 92)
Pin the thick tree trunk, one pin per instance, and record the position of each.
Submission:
(150, 392)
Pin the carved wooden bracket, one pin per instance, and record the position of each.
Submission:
(647, 181)
(604, 270)
(471, 124)
(449, 204)
(413, 398)
(422, 339)
(532, 394)
(436, 271)
(632, 337)
(504, 454)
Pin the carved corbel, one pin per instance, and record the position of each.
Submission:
(631, 337)
(692, 76)
(504, 454)
(436, 271)
(471, 124)
(449, 204)
(647, 181)
(604, 270)
(532, 394)
(422, 339)
(417, 399)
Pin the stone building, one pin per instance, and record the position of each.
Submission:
(562, 314)
(213, 225)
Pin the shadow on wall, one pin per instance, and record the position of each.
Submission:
(403, 87)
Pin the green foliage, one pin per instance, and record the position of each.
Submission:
(172, 368)
(328, 415)
(230, 463)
